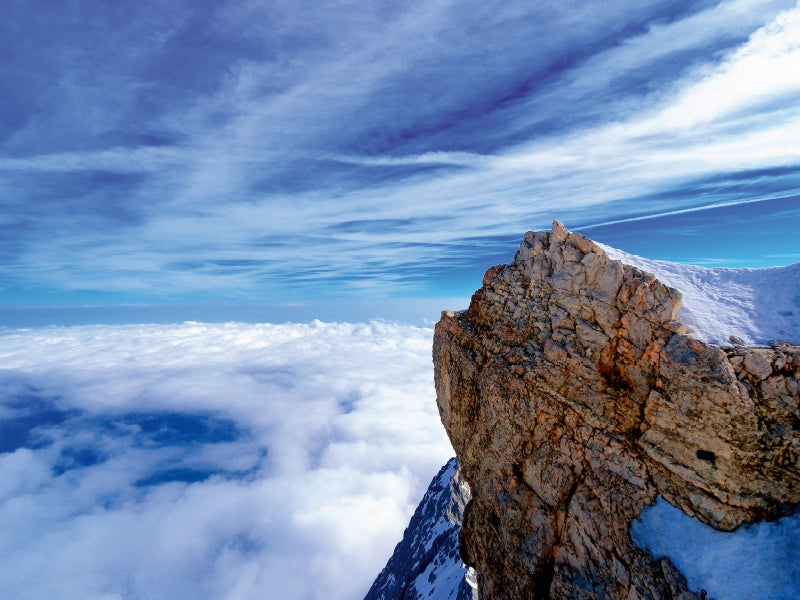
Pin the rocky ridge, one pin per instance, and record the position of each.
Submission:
(574, 396)
(426, 564)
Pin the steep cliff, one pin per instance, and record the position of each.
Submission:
(573, 397)
(425, 564)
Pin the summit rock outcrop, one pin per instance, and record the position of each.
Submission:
(574, 397)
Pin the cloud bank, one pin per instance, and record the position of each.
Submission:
(248, 151)
(211, 461)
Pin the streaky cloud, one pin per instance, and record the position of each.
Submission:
(251, 159)
(793, 193)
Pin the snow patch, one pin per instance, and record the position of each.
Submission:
(755, 305)
(755, 561)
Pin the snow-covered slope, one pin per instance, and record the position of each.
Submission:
(425, 564)
(755, 305)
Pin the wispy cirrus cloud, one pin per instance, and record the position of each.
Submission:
(250, 151)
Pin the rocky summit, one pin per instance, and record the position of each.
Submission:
(574, 397)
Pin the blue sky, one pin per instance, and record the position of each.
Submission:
(270, 160)
(188, 160)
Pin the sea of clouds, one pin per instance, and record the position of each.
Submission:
(211, 460)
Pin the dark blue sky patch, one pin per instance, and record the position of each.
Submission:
(12, 242)
(185, 473)
(178, 474)
(74, 191)
(78, 68)
(78, 457)
(485, 252)
(176, 429)
(153, 138)
(28, 414)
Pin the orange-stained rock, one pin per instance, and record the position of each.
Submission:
(573, 397)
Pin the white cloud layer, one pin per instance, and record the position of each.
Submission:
(211, 461)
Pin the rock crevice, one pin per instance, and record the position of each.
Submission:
(573, 396)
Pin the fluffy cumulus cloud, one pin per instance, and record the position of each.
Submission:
(247, 150)
(211, 461)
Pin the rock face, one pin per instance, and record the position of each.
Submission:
(425, 564)
(573, 398)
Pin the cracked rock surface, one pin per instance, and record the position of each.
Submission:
(574, 397)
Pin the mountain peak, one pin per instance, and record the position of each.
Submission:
(574, 396)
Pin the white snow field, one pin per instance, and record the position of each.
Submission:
(755, 305)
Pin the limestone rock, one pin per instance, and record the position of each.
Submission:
(573, 397)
